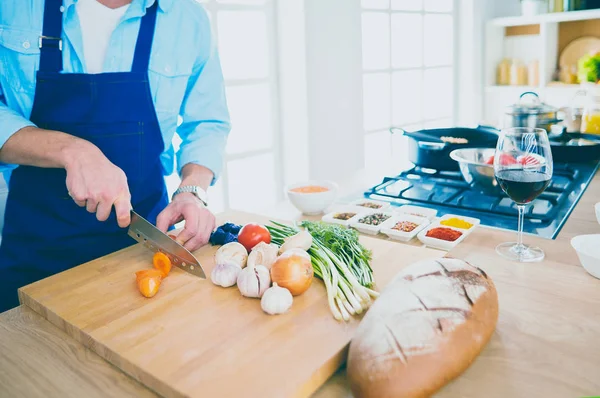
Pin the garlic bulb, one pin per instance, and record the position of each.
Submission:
(276, 300)
(263, 254)
(232, 252)
(254, 281)
(225, 274)
(302, 240)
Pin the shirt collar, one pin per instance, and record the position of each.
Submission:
(164, 5)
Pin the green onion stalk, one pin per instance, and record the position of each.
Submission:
(340, 261)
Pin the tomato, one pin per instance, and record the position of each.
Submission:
(252, 234)
(528, 160)
(505, 160)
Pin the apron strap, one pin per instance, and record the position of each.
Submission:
(143, 46)
(50, 41)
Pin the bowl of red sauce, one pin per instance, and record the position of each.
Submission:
(312, 197)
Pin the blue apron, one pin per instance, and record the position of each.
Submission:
(45, 232)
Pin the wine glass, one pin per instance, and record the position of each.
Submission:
(523, 169)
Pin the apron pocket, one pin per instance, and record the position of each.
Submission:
(122, 143)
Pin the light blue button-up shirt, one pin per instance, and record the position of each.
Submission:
(185, 73)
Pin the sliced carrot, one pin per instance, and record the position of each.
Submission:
(148, 285)
(162, 263)
(148, 273)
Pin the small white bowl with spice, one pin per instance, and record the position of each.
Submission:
(417, 211)
(441, 237)
(370, 223)
(466, 224)
(343, 215)
(369, 204)
(403, 227)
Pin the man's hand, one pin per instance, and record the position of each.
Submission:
(199, 221)
(97, 184)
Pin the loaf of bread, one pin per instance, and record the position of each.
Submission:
(425, 329)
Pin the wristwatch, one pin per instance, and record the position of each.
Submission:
(193, 189)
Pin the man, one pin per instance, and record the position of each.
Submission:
(90, 94)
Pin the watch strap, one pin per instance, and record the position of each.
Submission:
(195, 190)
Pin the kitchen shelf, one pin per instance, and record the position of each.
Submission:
(550, 85)
(546, 18)
(494, 88)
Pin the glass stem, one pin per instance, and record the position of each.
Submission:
(520, 248)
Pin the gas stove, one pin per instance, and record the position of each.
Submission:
(447, 192)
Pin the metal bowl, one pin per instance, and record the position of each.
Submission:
(475, 171)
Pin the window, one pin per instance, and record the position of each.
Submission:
(245, 33)
(408, 71)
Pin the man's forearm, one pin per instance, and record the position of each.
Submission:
(193, 174)
(32, 146)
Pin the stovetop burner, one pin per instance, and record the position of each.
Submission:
(447, 192)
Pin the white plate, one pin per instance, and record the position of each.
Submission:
(387, 227)
(439, 243)
(329, 217)
(417, 211)
(384, 205)
(369, 229)
(470, 220)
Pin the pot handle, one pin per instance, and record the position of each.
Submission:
(431, 146)
(400, 130)
(530, 93)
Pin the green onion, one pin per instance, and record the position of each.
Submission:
(340, 261)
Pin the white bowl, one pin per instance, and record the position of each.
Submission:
(588, 251)
(597, 208)
(311, 204)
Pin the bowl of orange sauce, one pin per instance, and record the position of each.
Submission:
(312, 197)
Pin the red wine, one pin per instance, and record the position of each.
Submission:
(522, 186)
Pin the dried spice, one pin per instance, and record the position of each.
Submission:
(374, 219)
(344, 216)
(405, 226)
(370, 205)
(457, 223)
(442, 233)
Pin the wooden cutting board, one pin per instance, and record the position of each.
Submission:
(194, 339)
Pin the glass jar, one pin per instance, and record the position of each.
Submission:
(590, 120)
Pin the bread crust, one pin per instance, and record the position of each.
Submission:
(426, 328)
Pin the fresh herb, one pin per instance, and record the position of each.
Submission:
(340, 261)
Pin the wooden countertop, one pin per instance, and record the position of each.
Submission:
(546, 343)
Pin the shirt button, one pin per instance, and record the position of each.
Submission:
(26, 44)
(167, 69)
(62, 9)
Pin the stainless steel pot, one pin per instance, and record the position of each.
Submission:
(534, 115)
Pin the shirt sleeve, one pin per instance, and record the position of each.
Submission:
(205, 118)
(10, 121)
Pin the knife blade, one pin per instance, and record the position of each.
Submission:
(154, 239)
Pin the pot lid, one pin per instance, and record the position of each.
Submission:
(534, 107)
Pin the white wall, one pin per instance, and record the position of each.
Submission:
(334, 72)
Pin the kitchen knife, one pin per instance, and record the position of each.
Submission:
(154, 239)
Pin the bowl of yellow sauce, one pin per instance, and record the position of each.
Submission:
(312, 197)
